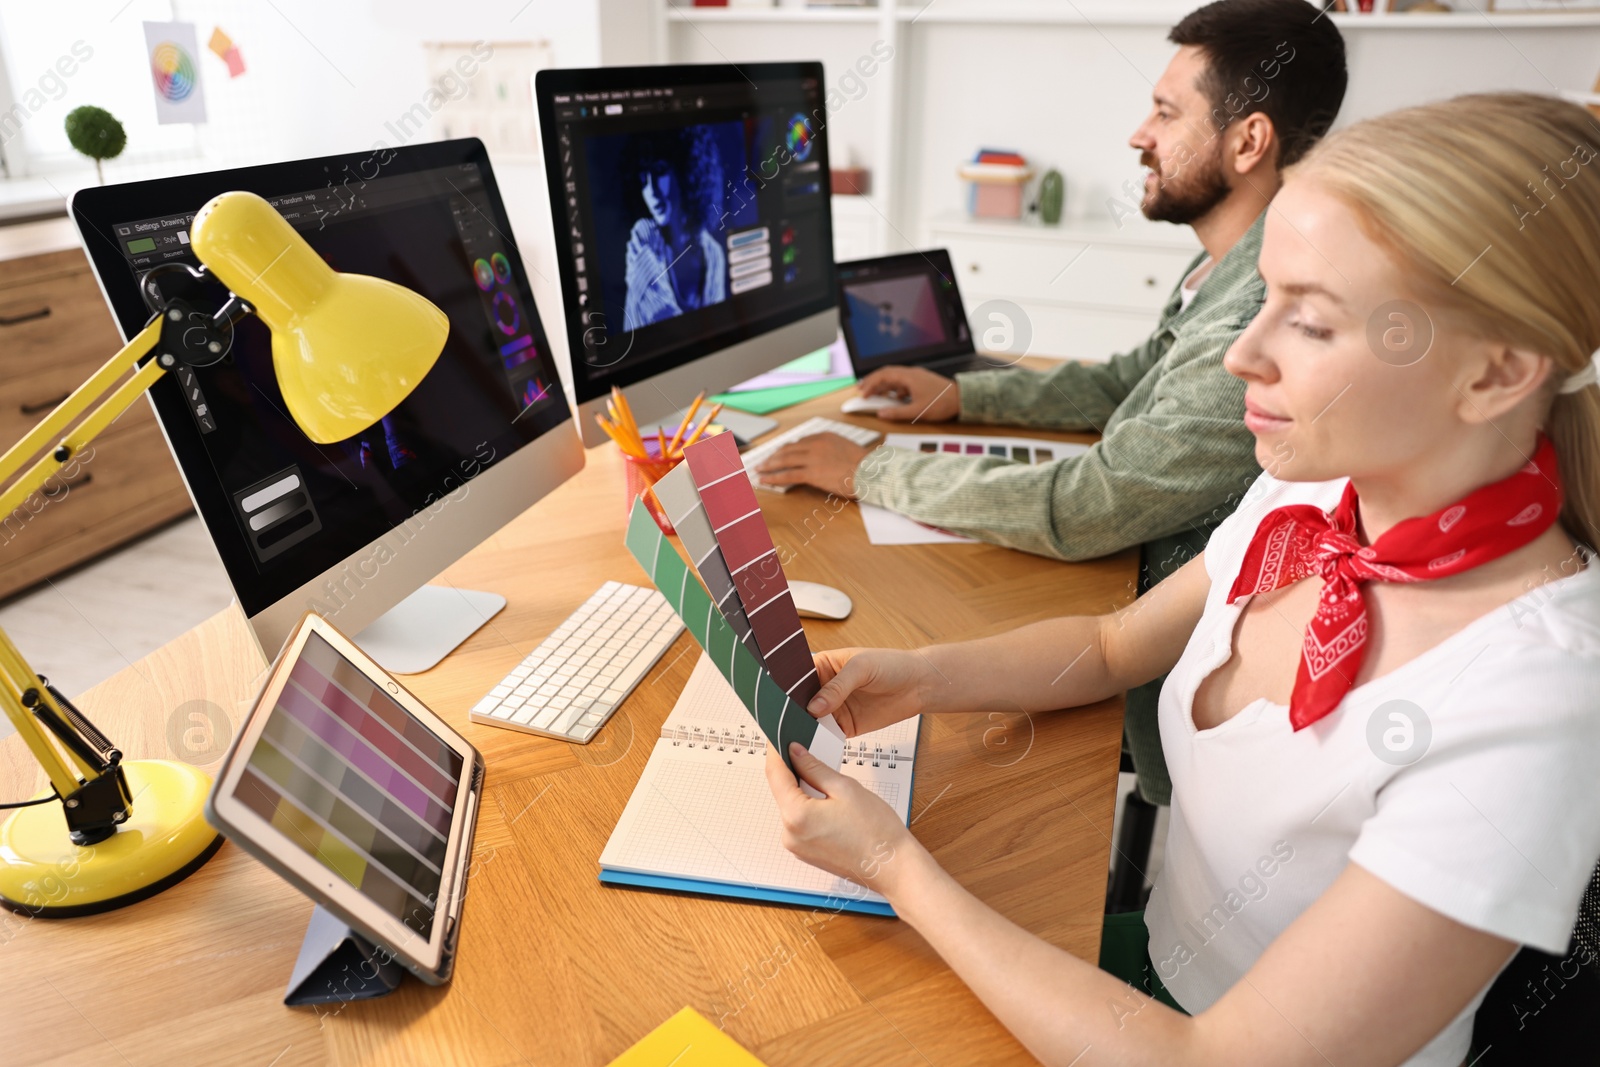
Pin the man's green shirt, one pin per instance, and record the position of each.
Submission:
(1173, 460)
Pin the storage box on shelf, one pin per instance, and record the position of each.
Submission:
(55, 331)
(1089, 288)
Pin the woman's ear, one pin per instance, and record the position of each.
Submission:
(1502, 377)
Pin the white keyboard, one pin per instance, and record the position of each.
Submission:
(757, 454)
(568, 687)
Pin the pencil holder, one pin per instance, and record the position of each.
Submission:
(641, 474)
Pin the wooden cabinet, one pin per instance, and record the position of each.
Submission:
(55, 330)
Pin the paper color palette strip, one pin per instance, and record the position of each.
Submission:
(681, 500)
(730, 504)
(780, 718)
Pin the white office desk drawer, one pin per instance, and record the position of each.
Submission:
(1067, 272)
(1060, 332)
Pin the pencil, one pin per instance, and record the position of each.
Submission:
(688, 418)
(617, 434)
(626, 409)
(622, 417)
(702, 427)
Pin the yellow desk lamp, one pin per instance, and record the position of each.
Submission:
(346, 349)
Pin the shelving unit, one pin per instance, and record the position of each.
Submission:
(911, 125)
(1121, 17)
(1065, 84)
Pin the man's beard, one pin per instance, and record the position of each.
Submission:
(1191, 194)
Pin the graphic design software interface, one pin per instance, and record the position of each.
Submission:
(300, 508)
(688, 210)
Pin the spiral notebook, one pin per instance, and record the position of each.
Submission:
(702, 819)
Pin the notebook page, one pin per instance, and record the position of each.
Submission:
(702, 808)
(704, 814)
(709, 710)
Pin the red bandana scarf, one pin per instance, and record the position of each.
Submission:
(1295, 541)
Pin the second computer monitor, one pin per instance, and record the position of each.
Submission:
(694, 232)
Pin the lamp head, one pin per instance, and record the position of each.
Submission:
(346, 348)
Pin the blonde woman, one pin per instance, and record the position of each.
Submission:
(1383, 712)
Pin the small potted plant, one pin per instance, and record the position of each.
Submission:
(96, 133)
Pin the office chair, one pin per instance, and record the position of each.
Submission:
(1125, 888)
(1541, 1009)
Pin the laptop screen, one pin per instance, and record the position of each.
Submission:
(903, 309)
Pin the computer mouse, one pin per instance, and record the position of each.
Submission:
(868, 405)
(815, 601)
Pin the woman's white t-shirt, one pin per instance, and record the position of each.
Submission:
(1468, 779)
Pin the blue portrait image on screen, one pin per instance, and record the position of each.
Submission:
(663, 203)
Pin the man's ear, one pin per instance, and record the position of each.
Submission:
(1253, 144)
(1500, 379)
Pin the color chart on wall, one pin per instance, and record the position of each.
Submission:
(730, 505)
(782, 721)
(681, 500)
(351, 778)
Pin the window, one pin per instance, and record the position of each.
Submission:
(53, 59)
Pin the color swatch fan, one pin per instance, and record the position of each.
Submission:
(730, 506)
(747, 622)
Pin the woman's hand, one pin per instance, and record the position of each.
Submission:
(850, 832)
(869, 688)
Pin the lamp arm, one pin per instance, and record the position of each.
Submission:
(82, 767)
(17, 682)
(99, 390)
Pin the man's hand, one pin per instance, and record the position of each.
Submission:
(824, 460)
(926, 396)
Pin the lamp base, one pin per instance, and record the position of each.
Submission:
(166, 838)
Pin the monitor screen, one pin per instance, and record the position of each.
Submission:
(358, 783)
(282, 509)
(691, 209)
(902, 308)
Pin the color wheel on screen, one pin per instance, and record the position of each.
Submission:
(798, 138)
(173, 71)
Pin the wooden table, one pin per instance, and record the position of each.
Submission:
(555, 968)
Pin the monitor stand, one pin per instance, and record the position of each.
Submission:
(426, 626)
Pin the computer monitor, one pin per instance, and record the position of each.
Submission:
(354, 529)
(694, 233)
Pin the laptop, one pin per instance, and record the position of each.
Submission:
(905, 311)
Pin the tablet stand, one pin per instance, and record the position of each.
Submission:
(338, 964)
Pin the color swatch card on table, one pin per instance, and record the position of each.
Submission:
(681, 500)
(782, 721)
(885, 527)
(730, 505)
(1029, 450)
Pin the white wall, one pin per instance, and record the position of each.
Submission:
(1070, 96)
(329, 76)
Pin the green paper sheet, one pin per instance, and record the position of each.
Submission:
(762, 401)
